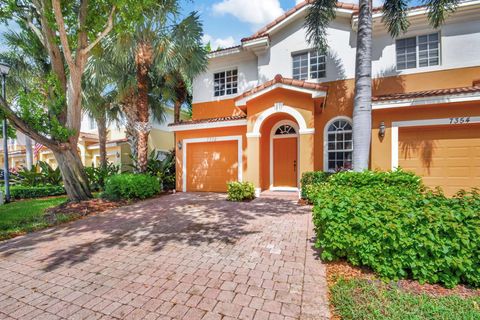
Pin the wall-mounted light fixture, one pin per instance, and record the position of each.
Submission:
(117, 155)
(180, 145)
(381, 130)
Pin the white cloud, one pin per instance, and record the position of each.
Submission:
(218, 42)
(256, 13)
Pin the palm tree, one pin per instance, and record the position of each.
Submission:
(152, 67)
(99, 104)
(319, 16)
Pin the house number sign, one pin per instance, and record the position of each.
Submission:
(462, 120)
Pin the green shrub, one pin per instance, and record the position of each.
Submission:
(131, 186)
(397, 178)
(240, 191)
(26, 192)
(312, 178)
(393, 227)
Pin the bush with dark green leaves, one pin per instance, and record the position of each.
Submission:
(311, 179)
(240, 191)
(131, 186)
(386, 221)
(26, 192)
(98, 175)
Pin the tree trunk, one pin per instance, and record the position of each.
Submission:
(143, 61)
(28, 152)
(102, 140)
(74, 177)
(362, 108)
(177, 107)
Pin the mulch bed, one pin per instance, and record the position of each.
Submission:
(342, 269)
(81, 209)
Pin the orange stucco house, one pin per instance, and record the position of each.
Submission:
(272, 108)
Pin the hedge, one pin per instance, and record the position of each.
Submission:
(131, 186)
(24, 192)
(240, 191)
(311, 179)
(387, 222)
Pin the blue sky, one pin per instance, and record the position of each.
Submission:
(227, 21)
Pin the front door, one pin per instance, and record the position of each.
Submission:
(285, 162)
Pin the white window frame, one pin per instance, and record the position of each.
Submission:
(224, 71)
(417, 51)
(325, 140)
(309, 65)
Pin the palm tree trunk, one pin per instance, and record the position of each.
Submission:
(176, 114)
(102, 139)
(74, 177)
(143, 61)
(28, 153)
(362, 108)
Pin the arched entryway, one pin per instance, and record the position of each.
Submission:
(284, 155)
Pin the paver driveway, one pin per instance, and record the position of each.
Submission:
(182, 256)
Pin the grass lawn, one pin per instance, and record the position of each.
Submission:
(364, 299)
(25, 216)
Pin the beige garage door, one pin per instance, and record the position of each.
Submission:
(446, 156)
(211, 165)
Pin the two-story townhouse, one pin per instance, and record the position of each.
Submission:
(272, 108)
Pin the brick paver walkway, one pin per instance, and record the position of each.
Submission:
(182, 256)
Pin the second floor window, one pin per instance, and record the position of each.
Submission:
(225, 83)
(417, 52)
(308, 65)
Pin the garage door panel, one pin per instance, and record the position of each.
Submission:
(211, 165)
(447, 156)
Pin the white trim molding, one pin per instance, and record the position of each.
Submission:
(280, 108)
(208, 125)
(186, 142)
(452, 98)
(454, 121)
(314, 93)
(272, 163)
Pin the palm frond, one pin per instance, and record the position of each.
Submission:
(438, 10)
(319, 16)
(395, 16)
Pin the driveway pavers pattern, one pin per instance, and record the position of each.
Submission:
(181, 256)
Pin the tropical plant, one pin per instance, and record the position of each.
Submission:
(50, 175)
(98, 175)
(99, 104)
(50, 111)
(319, 16)
(153, 66)
(30, 177)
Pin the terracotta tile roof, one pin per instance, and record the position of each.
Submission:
(426, 93)
(209, 120)
(224, 49)
(263, 32)
(279, 79)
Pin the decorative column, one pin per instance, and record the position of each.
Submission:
(253, 161)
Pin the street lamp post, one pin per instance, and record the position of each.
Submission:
(4, 69)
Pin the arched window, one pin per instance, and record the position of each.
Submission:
(285, 129)
(339, 145)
